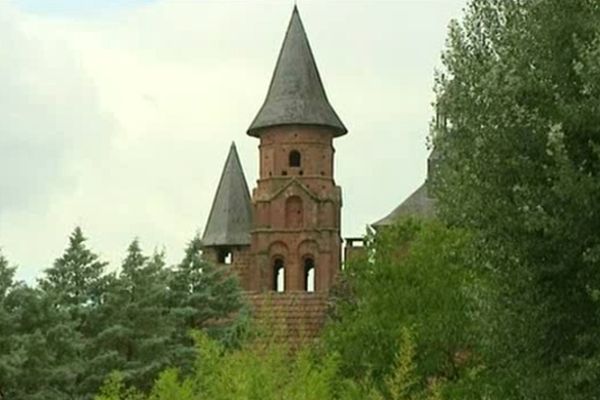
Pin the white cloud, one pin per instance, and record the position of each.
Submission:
(122, 123)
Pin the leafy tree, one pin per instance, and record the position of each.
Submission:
(519, 165)
(413, 277)
(115, 389)
(268, 371)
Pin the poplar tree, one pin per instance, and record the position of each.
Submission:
(519, 149)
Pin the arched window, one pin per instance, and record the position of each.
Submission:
(294, 213)
(225, 255)
(279, 275)
(309, 274)
(295, 158)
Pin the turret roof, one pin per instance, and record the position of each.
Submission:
(296, 94)
(230, 218)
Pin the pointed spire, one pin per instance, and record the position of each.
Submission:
(296, 94)
(230, 217)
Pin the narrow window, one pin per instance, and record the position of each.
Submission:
(295, 158)
(225, 256)
(278, 275)
(309, 274)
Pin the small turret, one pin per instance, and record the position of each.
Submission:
(230, 220)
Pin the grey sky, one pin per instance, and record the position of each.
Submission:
(120, 120)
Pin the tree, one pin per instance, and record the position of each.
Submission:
(136, 331)
(7, 367)
(40, 355)
(207, 297)
(74, 286)
(519, 166)
(75, 279)
(413, 278)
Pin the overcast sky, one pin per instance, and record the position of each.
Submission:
(117, 115)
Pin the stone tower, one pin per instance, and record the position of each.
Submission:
(286, 237)
(284, 242)
(295, 235)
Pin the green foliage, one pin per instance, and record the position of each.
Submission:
(223, 374)
(136, 338)
(114, 389)
(65, 338)
(75, 278)
(169, 387)
(400, 384)
(413, 277)
(7, 359)
(261, 370)
(500, 301)
(519, 166)
(204, 296)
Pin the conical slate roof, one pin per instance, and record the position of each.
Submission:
(296, 94)
(230, 217)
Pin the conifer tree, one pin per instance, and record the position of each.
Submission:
(75, 286)
(7, 369)
(75, 280)
(42, 344)
(204, 296)
(136, 338)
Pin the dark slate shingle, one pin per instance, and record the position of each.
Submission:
(418, 204)
(230, 218)
(296, 94)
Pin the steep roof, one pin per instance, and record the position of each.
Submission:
(418, 204)
(296, 94)
(230, 218)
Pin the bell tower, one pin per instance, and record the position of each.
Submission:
(295, 235)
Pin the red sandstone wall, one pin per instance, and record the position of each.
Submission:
(296, 209)
(241, 264)
(314, 144)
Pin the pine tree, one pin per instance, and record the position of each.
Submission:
(75, 279)
(136, 338)
(41, 349)
(7, 367)
(74, 286)
(204, 296)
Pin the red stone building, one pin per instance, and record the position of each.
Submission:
(284, 241)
